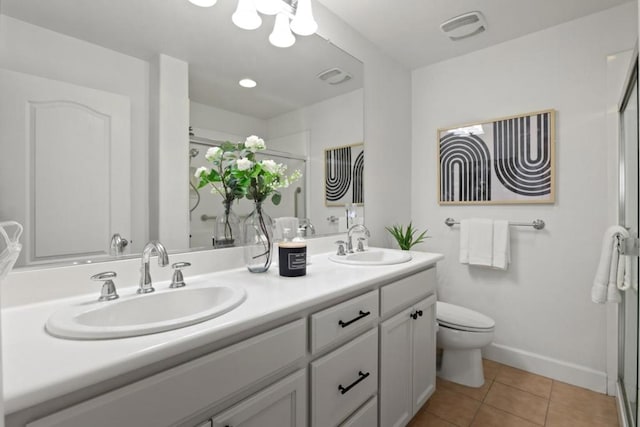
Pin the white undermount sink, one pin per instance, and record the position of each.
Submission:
(373, 257)
(144, 314)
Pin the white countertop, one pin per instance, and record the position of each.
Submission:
(38, 367)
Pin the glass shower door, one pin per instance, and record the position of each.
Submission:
(628, 313)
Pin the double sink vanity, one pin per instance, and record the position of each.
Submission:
(352, 343)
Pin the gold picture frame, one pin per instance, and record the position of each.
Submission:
(344, 175)
(510, 160)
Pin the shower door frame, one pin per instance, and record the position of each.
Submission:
(628, 415)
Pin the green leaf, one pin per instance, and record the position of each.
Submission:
(276, 198)
(406, 239)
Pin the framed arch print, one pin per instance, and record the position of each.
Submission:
(503, 161)
(343, 175)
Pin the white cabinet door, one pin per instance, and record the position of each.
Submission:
(366, 416)
(396, 364)
(407, 362)
(424, 352)
(283, 404)
(65, 165)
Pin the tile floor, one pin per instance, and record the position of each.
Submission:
(513, 398)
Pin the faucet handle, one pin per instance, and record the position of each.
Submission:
(178, 278)
(108, 291)
(340, 244)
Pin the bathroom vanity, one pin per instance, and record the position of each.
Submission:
(348, 345)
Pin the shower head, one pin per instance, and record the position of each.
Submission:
(193, 153)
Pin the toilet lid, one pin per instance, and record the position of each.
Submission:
(457, 317)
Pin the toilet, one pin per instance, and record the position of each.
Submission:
(461, 335)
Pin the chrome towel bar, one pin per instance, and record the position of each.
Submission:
(538, 224)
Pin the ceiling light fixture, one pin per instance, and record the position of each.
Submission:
(281, 36)
(291, 15)
(204, 3)
(303, 23)
(246, 16)
(248, 83)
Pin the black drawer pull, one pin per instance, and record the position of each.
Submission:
(361, 315)
(343, 390)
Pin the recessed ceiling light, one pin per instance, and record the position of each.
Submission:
(247, 83)
(204, 3)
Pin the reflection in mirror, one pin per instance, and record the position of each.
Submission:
(76, 118)
(206, 206)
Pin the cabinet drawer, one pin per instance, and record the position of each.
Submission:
(170, 396)
(366, 416)
(399, 294)
(284, 404)
(342, 320)
(344, 379)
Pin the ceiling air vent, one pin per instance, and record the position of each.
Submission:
(463, 26)
(335, 76)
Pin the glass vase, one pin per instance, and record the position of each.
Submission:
(226, 230)
(258, 240)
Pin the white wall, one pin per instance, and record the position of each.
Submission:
(41, 52)
(331, 123)
(238, 126)
(545, 320)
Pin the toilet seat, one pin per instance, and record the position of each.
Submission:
(460, 318)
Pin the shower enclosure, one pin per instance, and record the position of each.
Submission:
(628, 217)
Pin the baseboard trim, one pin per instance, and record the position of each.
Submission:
(570, 373)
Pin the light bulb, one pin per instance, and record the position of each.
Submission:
(281, 35)
(248, 83)
(269, 7)
(303, 23)
(203, 3)
(246, 16)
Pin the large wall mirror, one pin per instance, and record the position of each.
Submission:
(77, 172)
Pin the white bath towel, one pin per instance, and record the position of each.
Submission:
(501, 245)
(605, 283)
(613, 294)
(480, 244)
(285, 222)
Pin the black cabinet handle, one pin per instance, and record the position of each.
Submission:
(361, 313)
(416, 314)
(419, 313)
(361, 375)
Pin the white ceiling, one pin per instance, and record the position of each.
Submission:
(219, 53)
(409, 30)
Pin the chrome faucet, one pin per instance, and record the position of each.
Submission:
(352, 229)
(163, 260)
(117, 245)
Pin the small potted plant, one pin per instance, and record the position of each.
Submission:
(406, 238)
